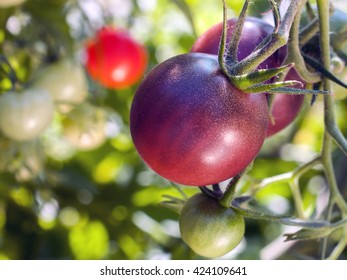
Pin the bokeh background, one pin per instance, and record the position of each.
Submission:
(58, 202)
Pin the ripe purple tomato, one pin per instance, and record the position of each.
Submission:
(285, 107)
(192, 126)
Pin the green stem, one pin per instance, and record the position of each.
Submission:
(307, 32)
(329, 109)
(299, 204)
(229, 193)
(339, 247)
(331, 129)
(286, 177)
(277, 40)
(294, 53)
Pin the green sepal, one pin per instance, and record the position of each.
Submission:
(271, 87)
(246, 81)
(286, 90)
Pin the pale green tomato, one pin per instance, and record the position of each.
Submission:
(209, 229)
(25, 114)
(339, 91)
(66, 83)
(84, 127)
(10, 3)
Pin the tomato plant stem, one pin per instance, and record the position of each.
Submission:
(294, 53)
(278, 39)
(307, 32)
(331, 129)
(339, 247)
(229, 193)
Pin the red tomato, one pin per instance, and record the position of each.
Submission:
(114, 59)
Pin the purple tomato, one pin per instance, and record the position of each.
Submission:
(192, 126)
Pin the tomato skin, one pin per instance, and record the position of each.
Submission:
(114, 59)
(191, 126)
(25, 115)
(66, 83)
(285, 107)
(209, 229)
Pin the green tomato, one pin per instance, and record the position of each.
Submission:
(10, 3)
(209, 229)
(26, 114)
(84, 127)
(66, 83)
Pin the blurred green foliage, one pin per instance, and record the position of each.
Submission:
(105, 203)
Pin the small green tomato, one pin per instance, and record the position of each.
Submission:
(209, 229)
(24, 115)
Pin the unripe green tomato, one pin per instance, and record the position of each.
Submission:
(10, 3)
(66, 83)
(84, 127)
(208, 228)
(25, 114)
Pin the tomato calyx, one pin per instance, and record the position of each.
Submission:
(244, 75)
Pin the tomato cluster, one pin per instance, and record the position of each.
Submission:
(191, 125)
